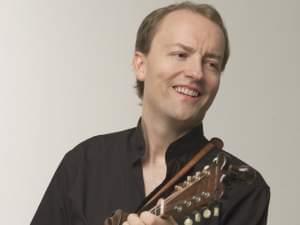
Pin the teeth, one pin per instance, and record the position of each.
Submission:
(187, 91)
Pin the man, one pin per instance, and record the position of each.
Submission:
(180, 53)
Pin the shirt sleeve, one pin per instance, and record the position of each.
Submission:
(246, 206)
(52, 209)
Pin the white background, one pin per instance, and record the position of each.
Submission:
(65, 75)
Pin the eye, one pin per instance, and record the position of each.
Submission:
(213, 65)
(180, 55)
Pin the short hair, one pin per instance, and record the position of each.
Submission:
(150, 24)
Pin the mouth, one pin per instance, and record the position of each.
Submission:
(187, 91)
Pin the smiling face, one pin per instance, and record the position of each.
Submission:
(181, 73)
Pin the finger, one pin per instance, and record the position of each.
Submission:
(134, 219)
(151, 219)
(171, 220)
(148, 218)
(125, 223)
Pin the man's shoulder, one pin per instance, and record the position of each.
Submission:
(246, 170)
(107, 137)
(246, 194)
(99, 146)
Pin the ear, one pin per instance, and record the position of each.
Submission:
(139, 65)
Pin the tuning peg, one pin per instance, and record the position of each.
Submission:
(216, 211)
(178, 208)
(198, 174)
(197, 217)
(178, 188)
(196, 199)
(206, 170)
(206, 213)
(188, 221)
(206, 167)
(205, 194)
(216, 160)
(187, 203)
(185, 183)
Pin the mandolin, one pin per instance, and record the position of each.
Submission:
(197, 197)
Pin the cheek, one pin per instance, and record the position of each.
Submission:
(160, 74)
(212, 85)
(212, 88)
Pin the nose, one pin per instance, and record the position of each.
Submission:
(194, 69)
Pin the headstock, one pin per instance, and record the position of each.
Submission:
(195, 194)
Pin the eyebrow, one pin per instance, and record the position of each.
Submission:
(183, 46)
(191, 49)
(214, 56)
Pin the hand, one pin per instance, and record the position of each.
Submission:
(147, 218)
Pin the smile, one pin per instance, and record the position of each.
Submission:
(186, 91)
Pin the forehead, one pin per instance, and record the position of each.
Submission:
(190, 28)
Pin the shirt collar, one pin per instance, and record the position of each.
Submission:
(180, 149)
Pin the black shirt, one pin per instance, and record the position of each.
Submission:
(104, 173)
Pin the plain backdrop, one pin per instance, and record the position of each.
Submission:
(65, 75)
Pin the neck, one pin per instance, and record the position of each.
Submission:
(159, 134)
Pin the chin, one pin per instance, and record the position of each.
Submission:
(189, 119)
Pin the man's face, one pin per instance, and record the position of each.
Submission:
(181, 72)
